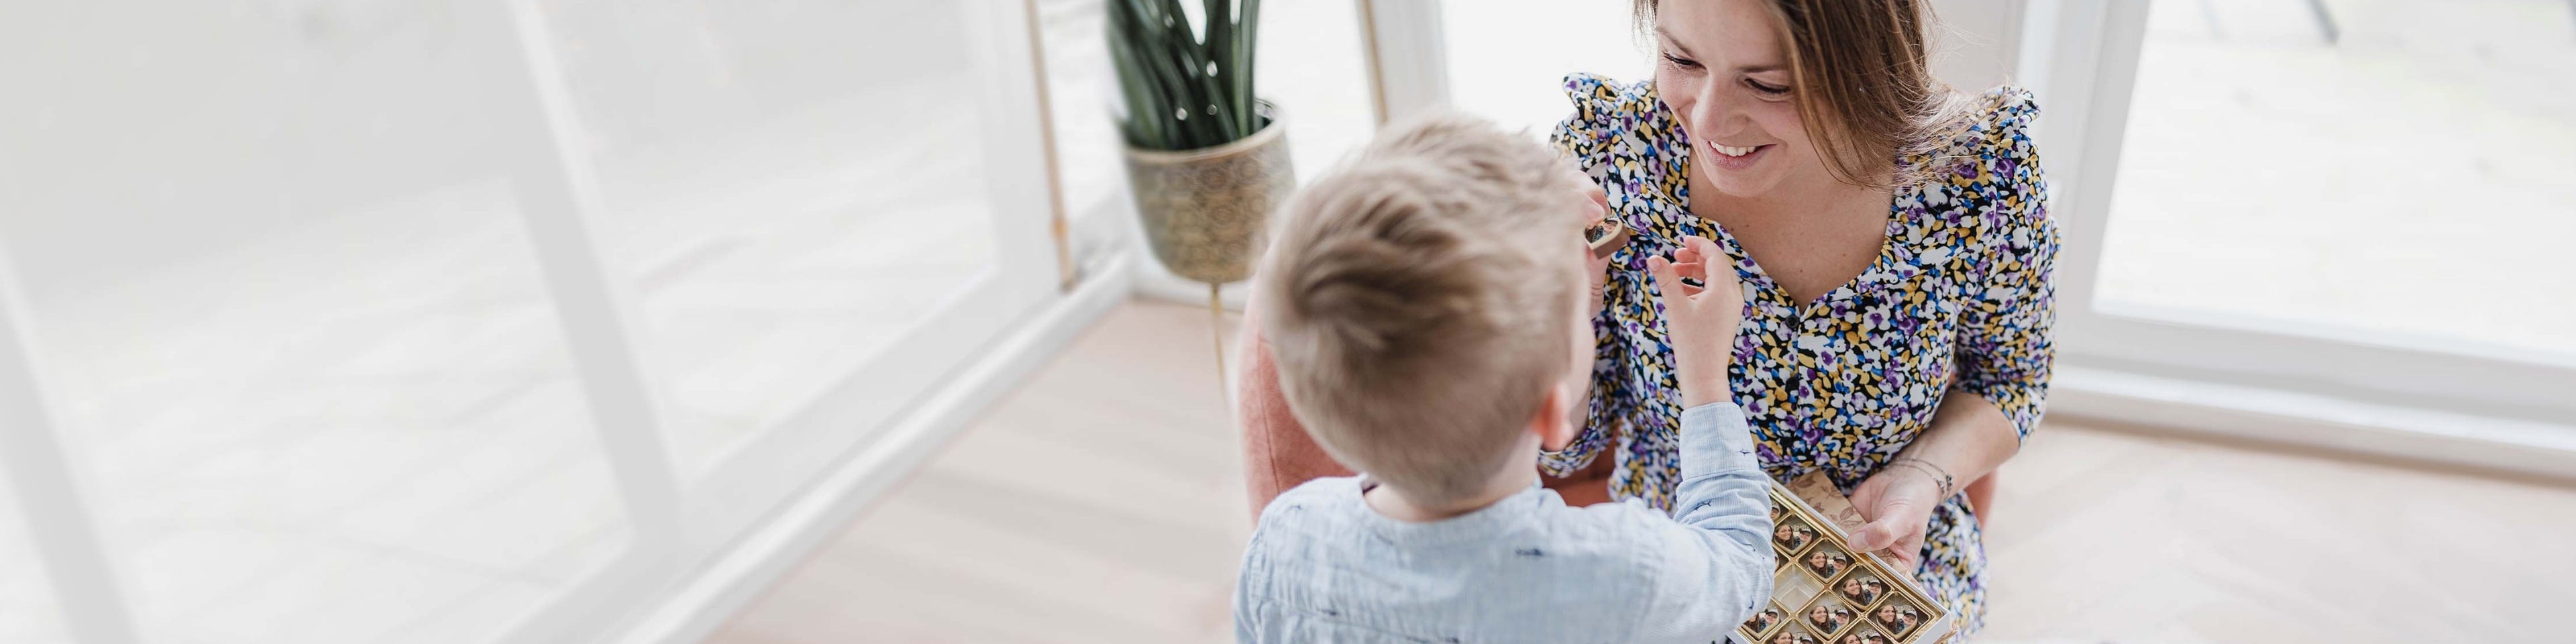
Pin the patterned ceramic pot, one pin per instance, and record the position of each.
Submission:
(1207, 211)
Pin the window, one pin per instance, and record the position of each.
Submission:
(1508, 58)
(27, 610)
(296, 331)
(358, 320)
(2379, 169)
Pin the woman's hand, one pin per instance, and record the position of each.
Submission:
(1701, 320)
(1897, 502)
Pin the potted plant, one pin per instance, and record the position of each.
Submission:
(1206, 158)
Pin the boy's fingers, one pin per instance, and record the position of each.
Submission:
(1700, 245)
(1709, 254)
(1717, 272)
(1666, 280)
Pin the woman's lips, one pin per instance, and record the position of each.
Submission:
(1720, 155)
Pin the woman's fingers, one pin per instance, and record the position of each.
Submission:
(1907, 559)
(1909, 550)
(1890, 534)
(1876, 535)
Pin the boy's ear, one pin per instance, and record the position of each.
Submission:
(1553, 424)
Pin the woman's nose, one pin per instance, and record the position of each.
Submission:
(1716, 112)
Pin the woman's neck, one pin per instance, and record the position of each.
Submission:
(1806, 195)
(1809, 238)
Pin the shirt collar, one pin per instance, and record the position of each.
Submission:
(1483, 523)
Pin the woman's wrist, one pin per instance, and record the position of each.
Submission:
(1938, 476)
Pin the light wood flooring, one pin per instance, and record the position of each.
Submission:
(1103, 502)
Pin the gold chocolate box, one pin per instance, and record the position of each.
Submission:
(1822, 593)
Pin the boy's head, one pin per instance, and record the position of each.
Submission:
(1420, 304)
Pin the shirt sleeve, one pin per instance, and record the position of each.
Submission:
(2006, 349)
(1716, 563)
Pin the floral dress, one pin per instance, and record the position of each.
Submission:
(1958, 300)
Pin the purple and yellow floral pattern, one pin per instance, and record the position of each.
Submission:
(1959, 300)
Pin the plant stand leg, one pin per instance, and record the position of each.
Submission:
(1216, 330)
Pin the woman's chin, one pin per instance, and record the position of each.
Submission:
(1733, 178)
(1735, 183)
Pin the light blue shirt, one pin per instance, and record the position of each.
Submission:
(1323, 567)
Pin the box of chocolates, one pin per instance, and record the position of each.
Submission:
(1822, 592)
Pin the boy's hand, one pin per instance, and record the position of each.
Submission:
(1596, 270)
(1700, 320)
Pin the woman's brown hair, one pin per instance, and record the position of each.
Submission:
(1864, 83)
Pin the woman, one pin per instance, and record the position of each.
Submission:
(1893, 240)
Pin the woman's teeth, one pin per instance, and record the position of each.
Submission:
(1733, 151)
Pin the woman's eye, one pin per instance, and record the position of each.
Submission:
(1759, 86)
(1681, 62)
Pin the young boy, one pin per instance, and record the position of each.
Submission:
(1421, 305)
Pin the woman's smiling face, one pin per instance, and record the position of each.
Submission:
(1724, 70)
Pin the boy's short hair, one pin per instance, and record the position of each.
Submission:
(1420, 301)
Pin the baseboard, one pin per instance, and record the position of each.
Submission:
(2307, 420)
(704, 601)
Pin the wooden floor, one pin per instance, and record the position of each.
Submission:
(1103, 502)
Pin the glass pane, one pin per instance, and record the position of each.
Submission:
(795, 185)
(27, 610)
(2390, 167)
(1508, 58)
(1314, 65)
(1081, 91)
(299, 339)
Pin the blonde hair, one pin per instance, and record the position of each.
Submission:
(1419, 302)
(1864, 84)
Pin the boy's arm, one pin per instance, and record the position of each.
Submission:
(1716, 567)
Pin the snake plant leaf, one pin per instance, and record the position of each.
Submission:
(1184, 90)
